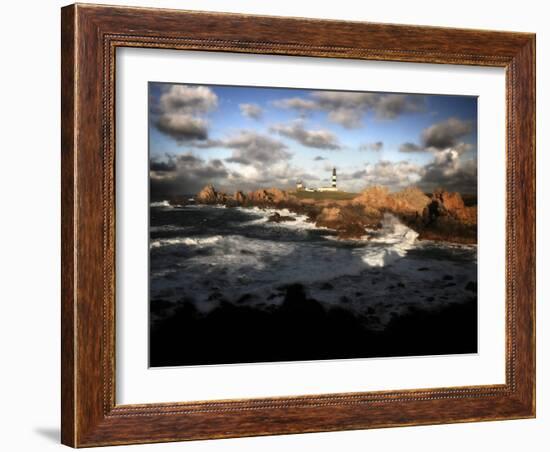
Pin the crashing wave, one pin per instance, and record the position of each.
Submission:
(301, 222)
(164, 203)
(389, 243)
(185, 241)
(259, 262)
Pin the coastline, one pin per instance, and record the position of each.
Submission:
(265, 273)
(443, 216)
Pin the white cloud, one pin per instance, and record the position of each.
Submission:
(252, 148)
(449, 171)
(374, 146)
(253, 111)
(183, 127)
(181, 109)
(348, 108)
(319, 139)
(446, 134)
(188, 99)
(393, 174)
(296, 103)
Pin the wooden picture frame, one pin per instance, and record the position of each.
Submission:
(90, 36)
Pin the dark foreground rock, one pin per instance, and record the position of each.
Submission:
(302, 329)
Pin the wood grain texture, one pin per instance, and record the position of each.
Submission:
(90, 36)
(67, 226)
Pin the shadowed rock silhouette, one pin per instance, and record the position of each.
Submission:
(302, 329)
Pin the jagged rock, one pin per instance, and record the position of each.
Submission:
(444, 216)
(278, 218)
(209, 195)
(278, 195)
(259, 196)
(409, 200)
(239, 197)
(451, 201)
(329, 216)
(349, 221)
(268, 196)
(445, 204)
(468, 215)
(375, 197)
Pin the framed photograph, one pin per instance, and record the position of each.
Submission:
(281, 225)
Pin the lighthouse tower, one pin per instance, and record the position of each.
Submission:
(332, 185)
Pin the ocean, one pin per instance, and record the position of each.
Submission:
(212, 259)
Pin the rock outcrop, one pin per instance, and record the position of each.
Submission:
(449, 205)
(409, 200)
(268, 196)
(443, 216)
(447, 218)
(239, 197)
(209, 195)
(349, 221)
(375, 197)
(278, 218)
(451, 201)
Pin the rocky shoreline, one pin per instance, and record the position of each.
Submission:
(442, 216)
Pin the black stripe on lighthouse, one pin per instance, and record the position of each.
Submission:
(333, 177)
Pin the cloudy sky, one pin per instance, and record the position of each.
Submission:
(244, 138)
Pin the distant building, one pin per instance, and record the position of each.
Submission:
(301, 187)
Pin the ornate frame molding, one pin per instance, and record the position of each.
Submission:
(90, 37)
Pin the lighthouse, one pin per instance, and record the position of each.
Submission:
(332, 185)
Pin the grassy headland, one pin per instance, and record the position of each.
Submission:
(324, 195)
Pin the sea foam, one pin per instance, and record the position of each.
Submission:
(389, 243)
(159, 243)
(301, 222)
(164, 203)
(258, 262)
